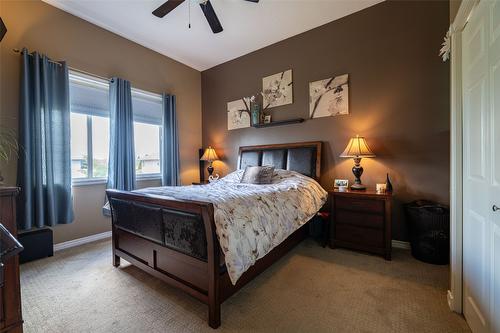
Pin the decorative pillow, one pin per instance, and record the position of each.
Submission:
(258, 175)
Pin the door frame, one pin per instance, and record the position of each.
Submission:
(455, 294)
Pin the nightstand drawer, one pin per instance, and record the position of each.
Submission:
(359, 204)
(359, 235)
(359, 219)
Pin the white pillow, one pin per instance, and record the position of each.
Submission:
(258, 175)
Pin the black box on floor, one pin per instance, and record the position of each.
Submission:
(37, 244)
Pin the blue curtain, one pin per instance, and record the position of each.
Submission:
(44, 168)
(121, 171)
(170, 143)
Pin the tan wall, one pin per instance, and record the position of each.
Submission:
(41, 27)
(399, 98)
(88, 202)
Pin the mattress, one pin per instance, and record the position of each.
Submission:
(252, 219)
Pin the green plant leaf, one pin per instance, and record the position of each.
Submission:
(9, 145)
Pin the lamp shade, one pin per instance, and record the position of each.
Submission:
(357, 147)
(209, 155)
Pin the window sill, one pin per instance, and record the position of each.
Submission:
(148, 177)
(100, 181)
(86, 182)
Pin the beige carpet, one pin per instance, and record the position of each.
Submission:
(312, 289)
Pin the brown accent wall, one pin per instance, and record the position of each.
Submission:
(399, 98)
(46, 29)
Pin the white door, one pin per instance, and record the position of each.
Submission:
(481, 183)
(494, 68)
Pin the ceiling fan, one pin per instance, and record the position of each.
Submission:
(206, 7)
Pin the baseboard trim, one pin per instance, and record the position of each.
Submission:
(92, 238)
(401, 245)
(451, 300)
(81, 241)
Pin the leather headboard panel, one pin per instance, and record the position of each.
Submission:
(250, 158)
(275, 158)
(301, 160)
(303, 157)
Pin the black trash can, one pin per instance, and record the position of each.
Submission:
(429, 227)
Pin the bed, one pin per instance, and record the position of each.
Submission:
(176, 238)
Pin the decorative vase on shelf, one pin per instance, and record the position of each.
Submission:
(388, 184)
(255, 110)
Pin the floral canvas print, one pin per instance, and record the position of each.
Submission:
(277, 89)
(238, 114)
(329, 97)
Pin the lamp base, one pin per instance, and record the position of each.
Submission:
(358, 187)
(357, 170)
(210, 169)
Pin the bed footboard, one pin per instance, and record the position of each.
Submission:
(175, 241)
(171, 239)
(181, 231)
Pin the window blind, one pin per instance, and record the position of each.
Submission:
(147, 107)
(88, 95)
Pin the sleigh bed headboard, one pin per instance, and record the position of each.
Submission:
(303, 157)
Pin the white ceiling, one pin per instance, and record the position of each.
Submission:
(247, 26)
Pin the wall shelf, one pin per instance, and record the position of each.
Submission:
(280, 123)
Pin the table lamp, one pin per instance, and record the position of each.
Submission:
(356, 149)
(209, 155)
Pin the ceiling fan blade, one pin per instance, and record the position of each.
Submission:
(211, 17)
(255, 1)
(166, 8)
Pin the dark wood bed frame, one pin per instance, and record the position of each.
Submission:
(137, 219)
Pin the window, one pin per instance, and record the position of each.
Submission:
(147, 132)
(147, 148)
(100, 146)
(89, 103)
(89, 107)
(79, 153)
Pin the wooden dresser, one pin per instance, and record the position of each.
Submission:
(361, 220)
(10, 295)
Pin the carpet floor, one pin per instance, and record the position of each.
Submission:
(312, 289)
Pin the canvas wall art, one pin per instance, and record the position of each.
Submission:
(277, 89)
(329, 97)
(238, 115)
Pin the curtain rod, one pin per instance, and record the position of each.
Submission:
(72, 68)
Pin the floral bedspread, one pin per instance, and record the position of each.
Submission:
(250, 219)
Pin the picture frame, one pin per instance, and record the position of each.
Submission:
(340, 182)
(277, 89)
(329, 97)
(238, 115)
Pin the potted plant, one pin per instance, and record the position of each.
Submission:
(8, 146)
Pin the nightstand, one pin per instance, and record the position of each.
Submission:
(361, 220)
